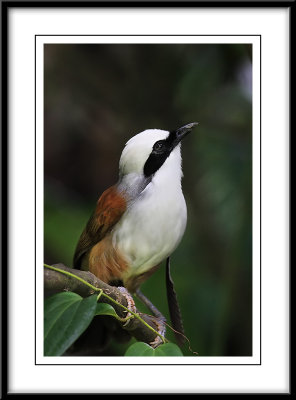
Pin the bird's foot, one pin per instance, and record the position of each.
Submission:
(161, 328)
(130, 303)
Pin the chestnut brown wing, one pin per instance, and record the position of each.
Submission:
(110, 207)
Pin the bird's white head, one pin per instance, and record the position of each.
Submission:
(146, 153)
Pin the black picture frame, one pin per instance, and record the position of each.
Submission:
(6, 7)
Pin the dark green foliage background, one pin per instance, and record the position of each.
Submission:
(96, 98)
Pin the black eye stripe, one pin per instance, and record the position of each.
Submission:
(160, 152)
(160, 145)
(162, 149)
(154, 162)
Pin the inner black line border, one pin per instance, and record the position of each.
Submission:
(260, 199)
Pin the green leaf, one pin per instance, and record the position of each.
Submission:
(105, 309)
(168, 350)
(66, 317)
(144, 350)
(140, 349)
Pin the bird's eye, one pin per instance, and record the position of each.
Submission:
(158, 146)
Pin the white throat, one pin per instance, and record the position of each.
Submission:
(155, 220)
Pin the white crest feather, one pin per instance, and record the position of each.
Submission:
(137, 150)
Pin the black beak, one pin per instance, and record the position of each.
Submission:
(180, 133)
(184, 130)
(162, 148)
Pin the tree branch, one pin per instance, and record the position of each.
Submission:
(55, 282)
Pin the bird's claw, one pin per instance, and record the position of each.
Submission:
(130, 303)
(159, 321)
(161, 328)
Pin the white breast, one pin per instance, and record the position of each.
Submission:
(154, 222)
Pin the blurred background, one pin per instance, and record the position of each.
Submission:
(99, 95)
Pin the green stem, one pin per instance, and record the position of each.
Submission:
(123, 319)
(73, 276)
(108, 297)
(100, 294)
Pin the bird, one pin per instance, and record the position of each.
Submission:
(139, 222)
